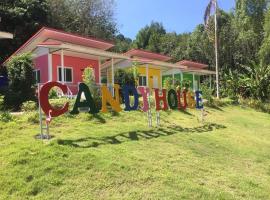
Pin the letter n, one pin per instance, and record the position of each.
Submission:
(107, 98)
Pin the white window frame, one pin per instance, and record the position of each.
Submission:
(59, 67)
(142, 81)
(36, 76)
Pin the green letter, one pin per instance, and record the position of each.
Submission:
(89, 102)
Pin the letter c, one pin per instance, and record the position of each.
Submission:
(44, 99)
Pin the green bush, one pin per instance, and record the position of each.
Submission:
(207, 93)
(59, 103)
(33, 117)
(255, 104)
(21, 81)
(220, 102)
(2, 103)
(53, 94)
(29, 106)
(6, 117)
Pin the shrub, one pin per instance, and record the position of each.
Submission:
(255, 104)
(207, 93)
(6, 117)
(2, 103)
(33, 117)
(168, 83)
(53, 94)
(89, 80)
(59, 103)
(21, 81)
(29, 106)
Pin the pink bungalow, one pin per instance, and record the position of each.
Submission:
(61, 56)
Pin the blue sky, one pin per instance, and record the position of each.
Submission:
(176, 15)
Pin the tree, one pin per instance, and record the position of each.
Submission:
(149, 37)
(22, 18)
(25, 17)
(248, 22)
(122, 44)
(21, 81)
(199, 46)
(87, 17)
(265, 48)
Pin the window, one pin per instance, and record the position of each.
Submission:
(36, 74)
(67, 74)
(142, 81)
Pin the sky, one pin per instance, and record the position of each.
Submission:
(175, 15)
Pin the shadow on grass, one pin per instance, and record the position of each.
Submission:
(99, 118)
(216, 108)
(136, 135)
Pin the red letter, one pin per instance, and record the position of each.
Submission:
(44, 99)
(184, 96)
(161, 98)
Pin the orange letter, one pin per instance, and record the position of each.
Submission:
(107, 98)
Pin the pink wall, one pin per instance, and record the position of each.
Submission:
(78, 65)
(41, 63)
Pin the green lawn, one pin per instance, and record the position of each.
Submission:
(116, 156)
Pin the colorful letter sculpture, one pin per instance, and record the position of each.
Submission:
(88, 102)
(144, 92)
(127, 90)
(160, 99)
(107, 98)
(172, 99)
(199, 102)
(44, 99)
(184, 98)
(163, 100)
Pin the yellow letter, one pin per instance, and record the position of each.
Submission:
(107, 98)
(190, 99)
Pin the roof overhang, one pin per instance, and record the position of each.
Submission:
(46, 34)
(147, 54)
(55, 47)
(142, 61)
(5, 35)
(192, 64)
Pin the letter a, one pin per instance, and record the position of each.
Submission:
(89, 102)
(107, 98)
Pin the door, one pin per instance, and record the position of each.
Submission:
(155, 82)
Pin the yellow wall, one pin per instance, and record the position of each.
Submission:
(152, 71)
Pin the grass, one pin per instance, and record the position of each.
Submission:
(116, 156)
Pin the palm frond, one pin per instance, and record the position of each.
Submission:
(208, 9)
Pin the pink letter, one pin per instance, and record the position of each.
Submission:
(144, 91)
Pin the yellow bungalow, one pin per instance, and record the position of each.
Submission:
(150, 67)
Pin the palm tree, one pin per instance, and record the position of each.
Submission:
(213, 5)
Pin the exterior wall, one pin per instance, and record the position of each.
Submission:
(151, 72)
(77, 65)
(186, 77)
(41, 63)
(142, 71)
(176, 77)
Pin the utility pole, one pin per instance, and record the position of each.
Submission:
(216, 48)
